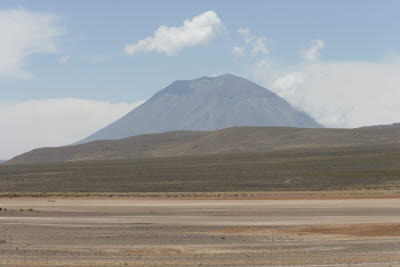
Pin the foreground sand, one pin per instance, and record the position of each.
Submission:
(156, 232)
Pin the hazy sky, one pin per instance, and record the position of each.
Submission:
(68, 68)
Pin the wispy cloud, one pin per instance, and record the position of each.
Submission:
(170, 40)
(255, 45)
(238, 50)
(23, 34)
(64, 59)
(246, 33)
(259, 46)
(312, 53)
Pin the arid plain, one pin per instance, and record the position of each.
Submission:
(337, 205)
(264, 231)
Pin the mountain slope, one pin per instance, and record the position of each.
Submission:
(231, 140)
(206, 104)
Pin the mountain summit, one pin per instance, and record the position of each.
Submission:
(207, 103)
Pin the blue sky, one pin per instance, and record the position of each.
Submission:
(352, 30)
(90, 37)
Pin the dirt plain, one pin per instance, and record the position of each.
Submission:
(324, 207)
(101, 231)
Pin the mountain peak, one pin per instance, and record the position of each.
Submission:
(189, 86)
(222, 76)
(210, 78)
(207, 103)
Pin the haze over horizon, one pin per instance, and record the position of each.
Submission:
(67, 72)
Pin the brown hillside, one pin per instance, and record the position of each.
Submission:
(231, 140)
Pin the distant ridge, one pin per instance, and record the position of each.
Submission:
(394, 125)
(206, 104)
(231, 140)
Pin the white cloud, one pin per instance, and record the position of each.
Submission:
(257, 45)
(313, 52)
(238, 51)
(248, 36)
(339, 93)
(53, 122)
(64, 59)
(170, 40)
(245, 31)
(23, 34)
(287, 84)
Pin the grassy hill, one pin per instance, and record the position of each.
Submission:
(226, 141)
(342, 168)
(245, 159)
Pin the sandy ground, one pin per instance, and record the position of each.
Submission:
(138, 232)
